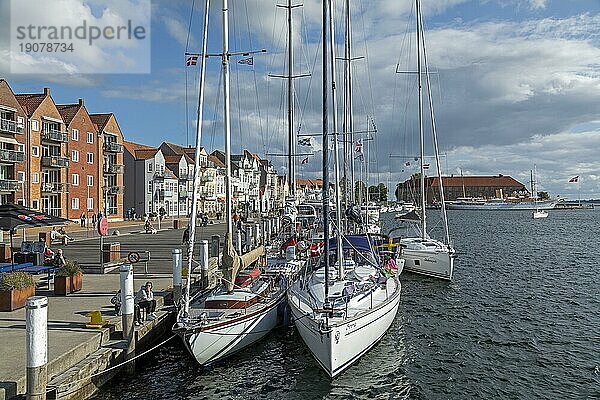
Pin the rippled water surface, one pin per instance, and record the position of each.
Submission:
(521, 320)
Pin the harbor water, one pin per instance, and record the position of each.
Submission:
(521, 320)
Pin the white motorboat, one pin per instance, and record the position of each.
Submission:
(341, 323)
(537, 214)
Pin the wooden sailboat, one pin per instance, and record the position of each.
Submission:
(243, 308)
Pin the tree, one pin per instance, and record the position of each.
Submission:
(378, 193)
(360, 192)
(543, 195)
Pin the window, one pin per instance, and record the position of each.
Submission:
(75, 135)
(90, 180)
(35, 126)
(35, 151)
(149, 187)
(90, 137)
(149, 167)
(90, 158)
(21, 147)
(75, 155)
(35, 178)
(75, 203)
(20, 121)
(75, 179)
(21, 176)
(35, 204)
(90, 203)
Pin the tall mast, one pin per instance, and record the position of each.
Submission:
(434, 137)
(226, 122)
(348, 112)
(338, 206)
(290, 99)
(196, 183)
(325, 153)
(421, 135)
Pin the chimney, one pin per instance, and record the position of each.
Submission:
(81, 103)
(47, 91)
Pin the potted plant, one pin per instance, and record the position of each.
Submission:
(15, 288)
(68, 279)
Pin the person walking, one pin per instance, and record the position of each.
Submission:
(144, 299)
(94, 220)
(186, 236)
(82, 220)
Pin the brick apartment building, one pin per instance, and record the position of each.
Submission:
(84, 194)
(59, 158)
(110, 163)
(46, 160)
(12, 155)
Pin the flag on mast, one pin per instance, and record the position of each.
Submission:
(305, 161)
(247, 61)
(359, 146)
(305, 141)
(574, 179)
(191, 60)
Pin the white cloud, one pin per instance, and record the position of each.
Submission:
(177, 29)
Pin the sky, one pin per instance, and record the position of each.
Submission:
(515, 83)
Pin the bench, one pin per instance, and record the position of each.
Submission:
(38, 269)
(8, 267)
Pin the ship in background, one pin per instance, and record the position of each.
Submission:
(508, 204)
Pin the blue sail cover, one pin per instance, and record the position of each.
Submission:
(349, 242)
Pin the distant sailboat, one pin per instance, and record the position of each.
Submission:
(537, 213)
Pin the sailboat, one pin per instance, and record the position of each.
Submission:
(537, 213)
(423, 254)
(244, 307)
(346, 305)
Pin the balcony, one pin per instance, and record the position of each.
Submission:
(55, 135)
(8, 185)
(113, 147)
(114, 169)
(55, 161)
(159, 175)
(207, 178)
(8, 126)
(11, 155)
(112, 190)
(54, 187)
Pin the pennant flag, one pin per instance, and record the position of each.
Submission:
(247, 61)
(191, 60)
(305, 161)
(359, 146)
(574, 179)
(305, 141)
(425, 166)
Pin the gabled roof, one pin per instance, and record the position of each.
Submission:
(172, 148)
(100, 120)
(30, 102)
(140, 151)
(173, 159)
(169, 173)
(496, 181)
(215, 161)
(68, 111)
(312, 183)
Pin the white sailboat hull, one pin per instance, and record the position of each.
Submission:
(338, 347)
(216, 341)
(540, 214)
(437, 264)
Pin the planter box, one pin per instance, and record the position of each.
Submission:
(11, 300)
(64, 285)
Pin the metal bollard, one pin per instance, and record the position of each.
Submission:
(37, 347)
(177, 266)
(214, 245)
(249, 239)
(127, 310)
(238, 241)
(257, 236)
(204, 262)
